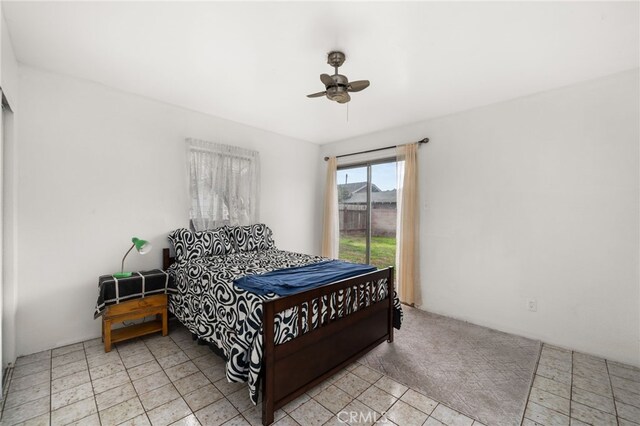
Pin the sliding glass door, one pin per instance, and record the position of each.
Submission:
(367, 204)
(353, 214)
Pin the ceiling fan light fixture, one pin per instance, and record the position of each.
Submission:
(338, 94)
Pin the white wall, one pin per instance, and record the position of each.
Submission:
(98, 166)
(535, 198)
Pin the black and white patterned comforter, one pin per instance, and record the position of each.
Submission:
(215, 310)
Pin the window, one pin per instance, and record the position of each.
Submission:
(367, 211)
(224, 185)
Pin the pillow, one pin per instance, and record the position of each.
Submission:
(190, 245)
(252, 237)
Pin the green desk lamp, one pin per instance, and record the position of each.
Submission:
(142, 246)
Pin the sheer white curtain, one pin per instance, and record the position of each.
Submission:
(330, 228)
(224, 185)
(407, 237)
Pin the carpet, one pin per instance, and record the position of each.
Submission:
(483, 373)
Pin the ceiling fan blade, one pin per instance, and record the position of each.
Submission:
(327, 80)
(356, 86)
(316, 95)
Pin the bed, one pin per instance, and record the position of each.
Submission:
(289, 343)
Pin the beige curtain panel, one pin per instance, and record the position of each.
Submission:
(330, 228)
(408, 273)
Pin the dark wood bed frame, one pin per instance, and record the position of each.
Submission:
(343, 334)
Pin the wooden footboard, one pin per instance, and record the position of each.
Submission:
(351, 326)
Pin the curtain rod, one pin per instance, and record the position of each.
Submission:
(425, 140)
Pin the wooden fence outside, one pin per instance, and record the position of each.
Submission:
(353, 219)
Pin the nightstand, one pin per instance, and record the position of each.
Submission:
(144, 294)
(134, 309)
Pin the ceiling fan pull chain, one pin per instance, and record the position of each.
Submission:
(347, 112)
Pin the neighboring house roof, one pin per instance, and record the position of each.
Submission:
(386, 197)
(357, 187)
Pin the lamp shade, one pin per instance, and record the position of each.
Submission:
(142, 246)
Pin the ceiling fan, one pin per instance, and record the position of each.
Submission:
(337, 86)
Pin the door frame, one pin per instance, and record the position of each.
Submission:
(5, 110)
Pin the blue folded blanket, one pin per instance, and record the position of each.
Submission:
(294, 280)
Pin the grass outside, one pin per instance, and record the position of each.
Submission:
(383, 250)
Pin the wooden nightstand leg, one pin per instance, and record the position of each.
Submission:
(107, 335)
(165, 325)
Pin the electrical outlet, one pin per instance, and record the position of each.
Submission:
(532, 305)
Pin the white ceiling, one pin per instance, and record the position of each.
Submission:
(255, 62)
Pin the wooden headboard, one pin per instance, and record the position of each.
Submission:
(167, 260)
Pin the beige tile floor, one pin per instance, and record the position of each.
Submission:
(577, 389)
(172, 380)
